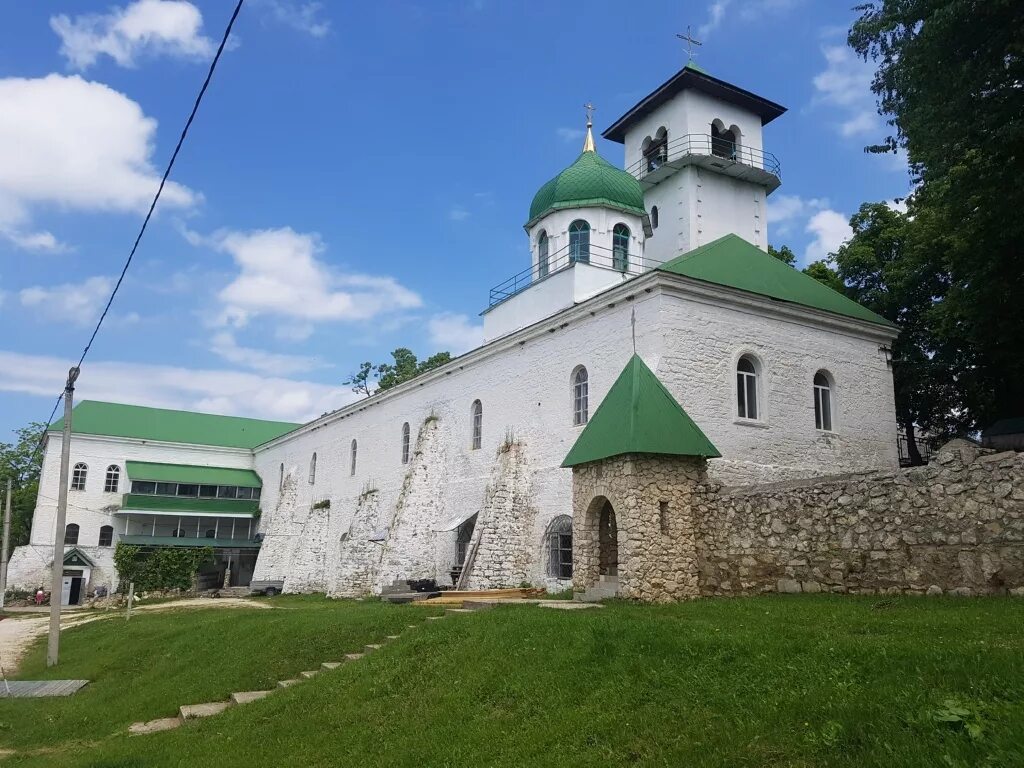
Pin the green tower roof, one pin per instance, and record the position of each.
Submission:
(733, 262)
(638, 415)
(590, 180)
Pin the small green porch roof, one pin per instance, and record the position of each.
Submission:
(187, 505)
(192, 474)
(171, 541)
(733, 262)
(77, 558)
(638, 415)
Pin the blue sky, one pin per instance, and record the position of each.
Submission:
(356, 180)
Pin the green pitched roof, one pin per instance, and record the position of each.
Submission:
(188, 473)
(733, 262)
(590, 180)
(638, 415)
(91, 417)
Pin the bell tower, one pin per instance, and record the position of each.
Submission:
(695, 145)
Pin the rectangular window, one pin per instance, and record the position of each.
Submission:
(746, 395)
(561, 555)
(257, 492)
(207, 491)
(166, 489)
(188, 490)
(226, 491)
(244, 493)
(146, 487)
(822, 409)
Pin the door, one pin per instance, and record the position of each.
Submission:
(75, 596)
(65, 590)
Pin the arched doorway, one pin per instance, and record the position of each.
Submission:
(607, 541)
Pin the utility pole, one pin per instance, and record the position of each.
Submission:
(4, 546)
(57, 573)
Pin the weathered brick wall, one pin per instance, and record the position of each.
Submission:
(955, 526)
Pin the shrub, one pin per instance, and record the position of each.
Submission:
(159, 568)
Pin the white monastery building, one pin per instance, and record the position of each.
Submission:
(459, 472)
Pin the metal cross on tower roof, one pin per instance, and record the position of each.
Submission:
(690, 42)
(590, 112)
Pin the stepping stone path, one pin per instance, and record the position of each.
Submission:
(195, 711)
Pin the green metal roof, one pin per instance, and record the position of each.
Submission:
(733, 262)
(184, 505)
(589, 181)
(77, 558)
(638, 415)
(172, 541)
(91, 417)
(187, 473)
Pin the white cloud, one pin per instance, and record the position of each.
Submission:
(73, 144)
(281, 276)
(845, 85)
(304, 17)
(830, 229)
(784, 211)
(570, 134)
(294, 331)
(166, 386)
(153, 27)
(78, 303)
(745, 10)
(262, 361)
(455, 333)
(458, 213)
(716, 12)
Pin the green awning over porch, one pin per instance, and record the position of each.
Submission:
(188, 473)
(172, 541)
(187, 505)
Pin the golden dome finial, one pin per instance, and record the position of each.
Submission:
(588, 142)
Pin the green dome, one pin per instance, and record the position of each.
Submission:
(591, 180)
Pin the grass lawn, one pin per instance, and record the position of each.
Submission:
(774, 681)
(145, 668)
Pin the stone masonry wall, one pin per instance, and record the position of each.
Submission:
(355, 573)
(505, 524)
(652, 497)
(956, 525)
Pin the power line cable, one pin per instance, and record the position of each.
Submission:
(152, 206)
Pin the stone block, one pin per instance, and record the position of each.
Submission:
(788, 586)
(194, 711)
(246, 697)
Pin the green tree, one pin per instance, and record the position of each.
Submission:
(824, 274)
(404, 367)
(949, 79)
(21, 461)
(890, 268)
(360, 380)
(783, 254)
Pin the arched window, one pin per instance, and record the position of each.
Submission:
(405, 443)
(71, 533)
(822, 402)
(655, 150)
(312, 469)
(542, 254)
(113, 479)
(280, 480)
(620, 248)
(746, 388)
(78, 476)
(477, 419)
(558, 540)
(723, 141)
(580, 396)
(654, 217)
(355, 450)
(579, 242)
(106, 535)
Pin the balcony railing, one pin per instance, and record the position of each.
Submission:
(565, 257)
(704, 145)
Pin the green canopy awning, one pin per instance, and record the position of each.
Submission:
(192, 474)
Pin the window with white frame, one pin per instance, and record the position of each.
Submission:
(78, 476)
(477, 419)
(579, 242)
(558, 540)
(542, 254)
(113, 479)
(355, 450)
(71, 533)
(620, 248)
(580, 396)
(106, 536)
(405, 443)
(312, 470)
(822, 402)
(746, 389)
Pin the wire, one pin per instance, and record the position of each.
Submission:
(152, 206)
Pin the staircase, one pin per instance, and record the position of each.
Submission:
(607, 587)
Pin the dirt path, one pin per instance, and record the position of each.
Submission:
(17, 634)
